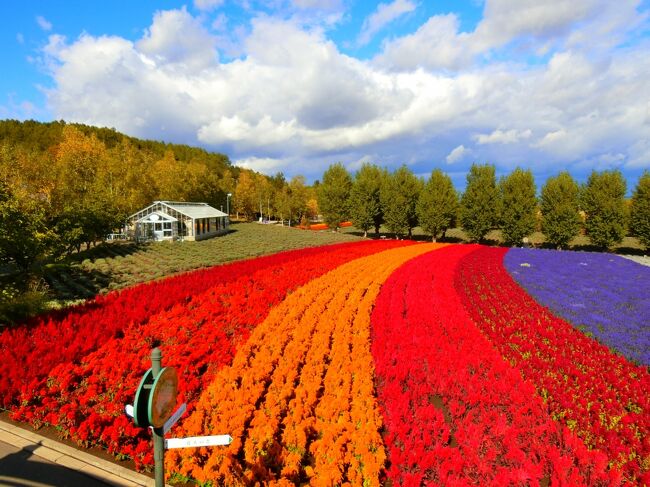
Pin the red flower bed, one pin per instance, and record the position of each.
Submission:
(601, 396)
(455, 412)
(67, 335)
(197, 336)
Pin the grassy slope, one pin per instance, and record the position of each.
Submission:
(116, 265)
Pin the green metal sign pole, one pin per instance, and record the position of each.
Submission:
(158, 434)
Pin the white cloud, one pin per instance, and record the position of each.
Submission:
(537, 27)
(207, 5)
(177, 38)
(501, 137)
(457, 154)
(43, 23)
(294, 102)
(384, 15)
(266, 165)
(436, 44)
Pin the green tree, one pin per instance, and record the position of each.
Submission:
(437, 205)
(399, 197)
(640, 210)
(479, 205)
(518, 206)
(602, 200)
(365, 202)
(334, 195)
(560, 205)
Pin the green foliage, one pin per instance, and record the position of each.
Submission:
(334, 194)
(640, 210)
(365, 200)
(438, 204)
(602, 199)
(560, 204)
(17, 304)
(399, 197)
(24, 236)
(479, 205)
(290, 200)
(518, 206)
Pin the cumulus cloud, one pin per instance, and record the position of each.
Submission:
(177, 38)
(294, 102)
(385, 14)
(43, 23)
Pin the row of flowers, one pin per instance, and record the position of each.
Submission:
(68, 335)
(84, 399)
(604, 295)
(455, 412)
(298, 398)
(597, 394)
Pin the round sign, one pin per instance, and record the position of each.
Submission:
(154, 217)
(163, 397)
(141, 403)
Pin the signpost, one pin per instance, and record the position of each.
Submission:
(154, 402)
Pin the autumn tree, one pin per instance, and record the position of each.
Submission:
(437, 205)
(399, 197)
(245, 196)
(334, 194)
(560, 205)
(365, 201)
(640, 210)
(518, 206)
(479, 205)
(602, 200)
(24, 235)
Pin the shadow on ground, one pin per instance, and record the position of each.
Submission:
(22, 468)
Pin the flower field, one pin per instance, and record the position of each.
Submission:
(363, 363)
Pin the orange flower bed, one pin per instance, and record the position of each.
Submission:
(299, 397)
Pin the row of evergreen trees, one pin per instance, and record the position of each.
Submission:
(401, 201)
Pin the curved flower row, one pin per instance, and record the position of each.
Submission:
(85, 400)
(298, 399)
(455, 412)
(66, 336)
(601, 396)
(604, 295)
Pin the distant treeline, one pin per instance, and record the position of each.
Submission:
(401, 201)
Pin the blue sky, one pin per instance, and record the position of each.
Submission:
(295, 85)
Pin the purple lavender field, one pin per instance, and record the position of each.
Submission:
(604, 295)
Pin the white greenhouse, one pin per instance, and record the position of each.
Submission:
(176, 220)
